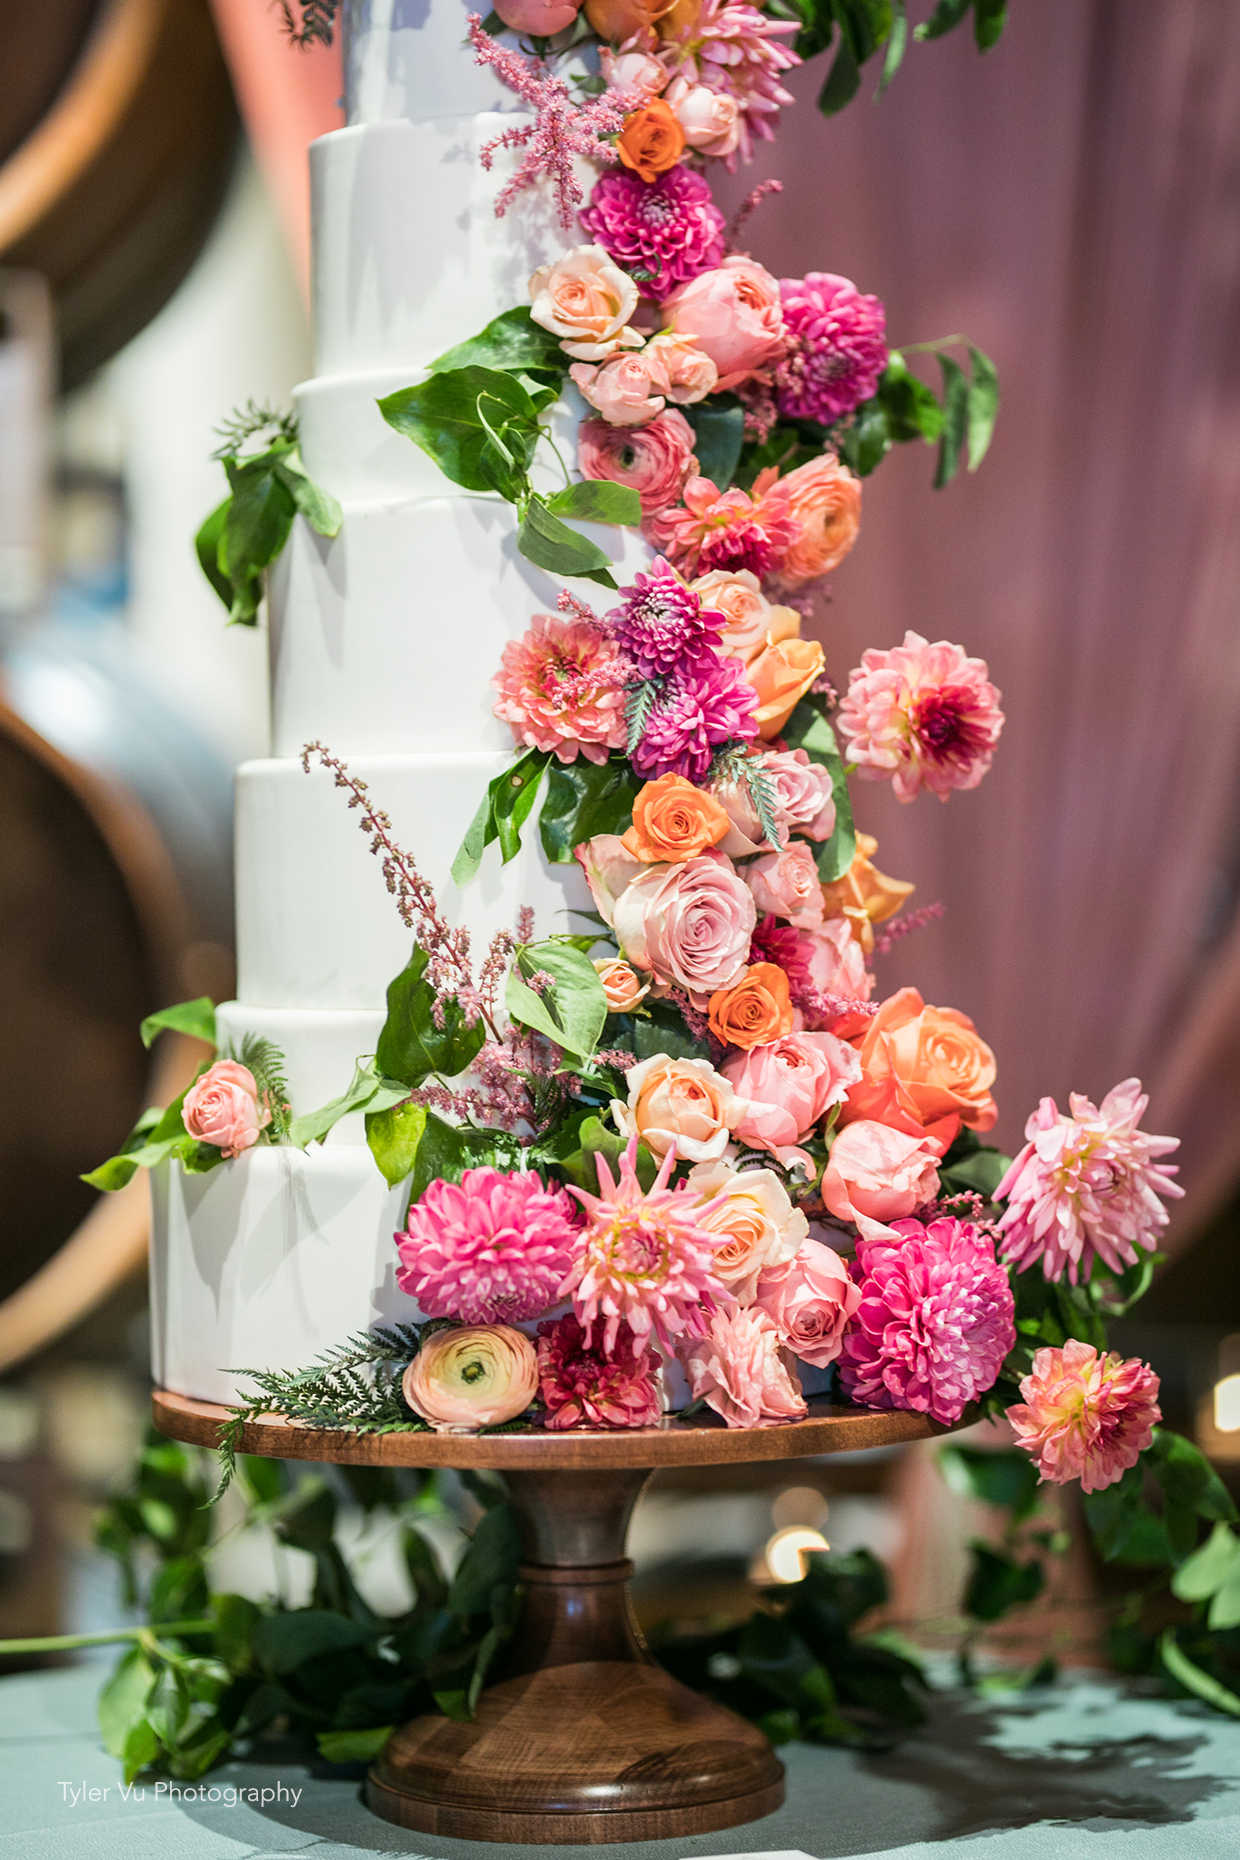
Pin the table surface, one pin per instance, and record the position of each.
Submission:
(1087, 1769)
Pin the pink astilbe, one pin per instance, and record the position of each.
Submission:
(491, 1249)
(719, 529)
(921, 716)
(749, 206)
(916, 919)
(561, 688)
(581, 1384)
(1085, 1416)
(732, 47)
(1086, 1185)
(563, 126)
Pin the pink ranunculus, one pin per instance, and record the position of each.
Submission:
(655, 460)
(1085, 1416)
(688, 374)
(879, 1174)
(786, 883)
(804, 796)
(818, 505)
(626, 389)
(734, 314)
(737, 595)
(689, 924)
(710, 119)
(542, 19)
(789, 1086)
(810, 1302)
(921, 716)
(223, 1108)
(739, 1367)
(586, 300)
(479, 1375)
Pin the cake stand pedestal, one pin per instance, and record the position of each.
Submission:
(583, 1738)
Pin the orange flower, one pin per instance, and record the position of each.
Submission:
(651, 140)
(822, 499)
(623, 987)
(618, 20)
(864, 895)
(923, 1069)
(755, 1010)
(782, 671)
(673, 820)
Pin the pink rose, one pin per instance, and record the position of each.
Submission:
(609, 868)
(586, 300)
(735, 593)
(637, 73)
(655, 460)
(222, 1108)
(625, 389)
(835, 965)
(710, 119)
(688, 374)
(879, 1174)
(804, 797)
(810, 1302)
(689, 924)
(541, 18)
(786, 884)
(738, 1365)
(734, 314)
(789, 1086)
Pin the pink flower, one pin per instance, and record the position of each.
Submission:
(824, 966)
(655, 459)
(786, 884)
(809, 1302)
(625, 389)
(1086, 1186)
(540, 18)
(471, 1377)
(754, 1213)
(936, 1320)
(561, 687)
(837, 348)
(688, 924)
(581, 1384)
(677, 1104)
(688, 373)
(661, 622)
(223, 1108)
(493, 1248)
(733, 314)
(586, 301)
(735, 593)
(921, 716)
(643, 1259)
(718, 529)
(707, 703)
(789, 1086)
(635, 73)
(710, 119)
(734, 48)
(801, 798)
(879, 1174)
(739, 1367)
(816, 509)
(1085, 1416)
(662, 232)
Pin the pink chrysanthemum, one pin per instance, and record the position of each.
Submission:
(491, 1249)
(561, 687)
(1086, 1186)
(707, 703)
(642, 1257)
(661, 621)
(732, 47)
(715, 529)
(583, 1385)
(1085, 1416)
(661, 232)
(919, 716)
(936, 1320)
(836, 349)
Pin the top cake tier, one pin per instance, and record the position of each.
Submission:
(411, 59)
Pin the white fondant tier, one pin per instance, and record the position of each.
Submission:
(411, 58)
(320, 1048)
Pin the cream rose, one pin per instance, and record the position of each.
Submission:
(763, 1227)
(623, 987)
(586, 300)
(786, 884)
(680, 1104)
(709, 119)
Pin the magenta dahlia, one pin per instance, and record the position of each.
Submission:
(712, 529)
(494, 1248)
(920, 716)
(661, 621)
(661, 232)
(561, 687)
(1085, 1416)
(836, 347)
(707, 703)
(584, 1385)
(936, 1320)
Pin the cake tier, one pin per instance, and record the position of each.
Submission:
(407, 58)
(320, 1046)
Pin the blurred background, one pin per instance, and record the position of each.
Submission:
(1072, 204)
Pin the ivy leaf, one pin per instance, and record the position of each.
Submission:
(573, 1009)
(989, 19)
(367, 1091)
(597, 500)
(411, 1046)
(955, 420)
(394, 1136)
(719, 431)
(550, 544)
(1194, 1678)
(998, 1583)
(983, 405)
(808, 729)
(502, 812)
(1004, 1477)
(867, 441)
(320, 509)
(584, 799)
(197, 1018)
(452, 415)
(947, 13)
(510, 342)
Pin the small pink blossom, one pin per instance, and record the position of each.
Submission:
(561, 688)
(1085, 1416)
(810, 1301)
(223, 1108)
(875, 1173)
(789, 1086)
(739, 1367)
(687, 372)
(733, 313)
(919, 716)
(654, 460)
(583, 1385)
(786, 884)
(711, 120)
(493, 1248)
(625, 389)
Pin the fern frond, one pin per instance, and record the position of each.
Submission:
(638, 703)
(256, 419)
(265, 1060)
(736, 766)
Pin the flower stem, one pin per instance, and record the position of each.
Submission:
(67, 1643)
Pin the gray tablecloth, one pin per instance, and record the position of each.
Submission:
(1085, 1770)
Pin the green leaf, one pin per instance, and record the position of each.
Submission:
(394, 1136)
(1194, 1678)
(140, 1749)
(868, 440)
(447, 1150)
(236, 1618)
(122, 1702)
(808, 729)
(285, 1642)
(148, 1143)
(843, 81)
(596, 1139)
(913, 412)
(573, 1009)
(256, 527)
(897, 44)
(448, 416)
(719, 432)
(1212, 1574)
(550, 544)
(320, 509)
(510, 342)
(983, 405)
(1004, 1476)
(411, 1046)
(955, 420)
(585, 799)
(989, 18)
(167, 1708)
(947, 13)
(353, 1746)
(178, 1591)
(207, 546)
(197, 1018)
(597, 500)
(980, 1172)
(490, 1562)
(1122, 1524)
(501, 814)
(998, 1583)
(660, 1029)
(367, 1091)
(1188, 1480)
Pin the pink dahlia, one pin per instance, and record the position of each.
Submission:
(715, 529)
(1085, 1416)
(642, 1258)
(836, 347)
(491, 1249)
(661, 232)
(582, 1384)
(936, 1319)
(739, 1366)
(1086, 1186)
(660, 621)
(921, 716)
(707, 703)
(734, 48)
(561, 687)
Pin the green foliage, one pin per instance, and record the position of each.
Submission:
(570, 1007)
(584, 799)
(998, 1582)
(1212, 1575)
(1001, 1476)
(904, 409)
(242, 536)
(511, 343)
(719, 432)
(196, 1018)
(859, 30)
(368, 1091)
(595, 1139)
(411, 1046)
(502, 812)
(808, 729)
(158, 1136)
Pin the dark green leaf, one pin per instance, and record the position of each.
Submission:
(598, 1139)
(1003, 1476)
(989, 18)
(719, 431)
(429, 1584)
(597, 500)
(285, 1642)
(947, 13)
(552, 545)
(148, 1144)
(353, 1746)
(912, 409)
(411, 1047)
(394, 1136)
(997, 1582)
(236, 1618)
(868, 440)
(122, 1702)
(1194, 1678)
(808, 729)
(367, 1091)
(955, 420)
(501, 814)
(1189, 1482)
(983, 405)
(178, 1591)
(196, 1018)
(510, 342)
(490, 1562)
(981, 1172)
(207, 546)
(447, 1150)
(585, 799)
(843, 81)
(260, 516)
(448, 416)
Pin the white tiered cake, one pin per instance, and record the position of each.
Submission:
(382, 643)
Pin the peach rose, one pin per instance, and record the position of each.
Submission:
(651, 140)
(673, 820)
(637, 73)
(688, 924)
(624, 388)
(810, 1303)
(782, 670)
(786, 884)
(735, 593)
(541, 18)
(740, 1368)
(687, 374)
(475, 1375)
(655, 460)
(880, 1174)
(623, 987)
(924, 1070)
(734, 314)
(757, 1215)
(586, 300)
(755, 1009)
(223, 1108)
(618, 20)
(680, 1104)
(710, 120)
(823, 500)
(863, 895)
(789, 1086)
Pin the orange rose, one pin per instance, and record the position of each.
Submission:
(673, 820)
(782, 670)
(651, 140)
(623, 987)
(681, 1104)
(822, 499)
(864, 895)
(755, 1010)
(618, 20)
(923, 1069)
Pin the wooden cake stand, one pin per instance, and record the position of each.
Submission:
(584, 1738)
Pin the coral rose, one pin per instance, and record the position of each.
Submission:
(678, 1104)
(223, 1108)
(822, 501)
(740, 1369)
(786, 884)
(782, 670)
(618, 20)
(810, 1302)
(651, 140)
(624, 388)
(686, 373)
(923, 1070)
(755, 1212)
(586, 300)
(478, 1375)
(673, 820)
(623, 987)
(754, 1010)
(879, 1174)
(541, 18)
(710, 120)
(737, 595)
(789, 1086)
(733, 312)
(655, 460)
(689, 924)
